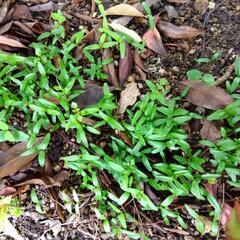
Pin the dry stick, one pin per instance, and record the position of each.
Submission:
(225, 76)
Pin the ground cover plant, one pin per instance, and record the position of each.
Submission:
(134, 149)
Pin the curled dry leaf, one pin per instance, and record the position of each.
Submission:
(177, 32)
(45, 7)
(209, 97)
(233, 223)
(128, 97)
(10, 42)
(154, 41)
(91, 96)
(11, 160)
(6, 191)
(126, 19)
(21, 12)
(5, 27)
(4, 10)
(120, 28)
(124, 10)
(210, 131)
(47, 181)
(179, 1)
(125, 65)
(109, 68)
(226, 211)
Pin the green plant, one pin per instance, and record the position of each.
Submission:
(212, 59)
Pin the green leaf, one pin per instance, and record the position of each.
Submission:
(3, 126)
(41, 158)
(194, 74)
(43, 145)
(237, 66)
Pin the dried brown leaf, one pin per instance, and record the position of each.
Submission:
(233, 223)
(177, 32)
(179, 1)
(21, 12)
(109, 68)
(209, 97)
(45, 7)
(209, 131)
(154, 41)
(24, 28)
(124, 10)
(47, 181)
(128, 97)
(6, 191)
(125, 65)
(5, 27)
(91, 96)
(10, 42)
(11, 161)
(226, 211)
(4, 10)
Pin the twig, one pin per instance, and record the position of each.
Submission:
(225, 76)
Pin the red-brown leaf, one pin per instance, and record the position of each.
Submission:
(209, 97)
(6, 191)
(10, 42)
(11, 160)
(125, 65)
(177, 32)
(154, 41)
(109, 68)
(209, 131)
(233, 223)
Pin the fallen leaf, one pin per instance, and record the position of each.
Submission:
(109, 68)
(128, 97)
(91, 96)
(6, 191)
(22, 27)
(5, 27)
(211, 188)
(154, 41)
(125, 138)
(124, 10)
(47, 181)
(177, 32)
(141, 73)
(125, 65)
(21, 12)
(4, 10)
(10, 42)
(209, 131)
(179, 1)
(45, 7)
(206, 96)
(171, 11)
(233, 223)
(125, 19)
(4, 146)
(11, 160)
(120, 28)
(226, 211)
(201, 6)
(36, 27)
(138, 60)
